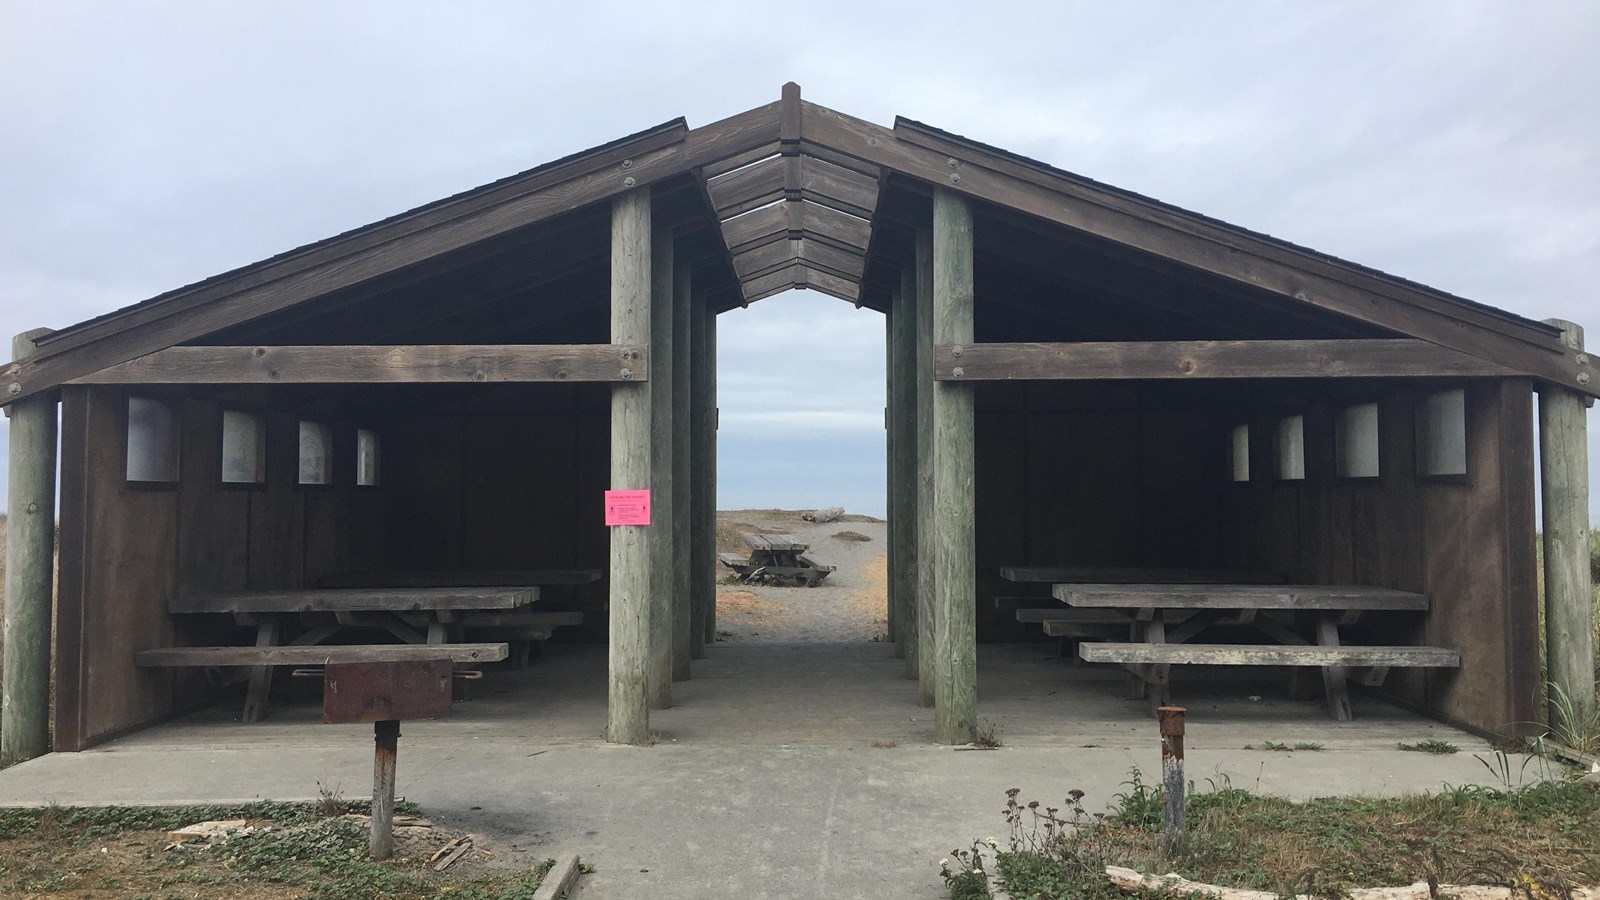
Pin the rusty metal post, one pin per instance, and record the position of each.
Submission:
(1172, 786)
(386, 735)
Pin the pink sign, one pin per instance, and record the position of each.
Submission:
(627, 508)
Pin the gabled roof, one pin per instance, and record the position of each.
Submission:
(794, 189)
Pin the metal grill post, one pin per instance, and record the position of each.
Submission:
(386, 735)
(1172, 786)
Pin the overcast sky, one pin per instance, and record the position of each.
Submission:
(149, 145)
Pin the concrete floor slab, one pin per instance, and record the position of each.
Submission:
(766, 781)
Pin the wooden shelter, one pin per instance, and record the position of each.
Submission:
(1079, 376)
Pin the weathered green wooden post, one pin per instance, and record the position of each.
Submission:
(890, 429)
(682, 618)
(701, 576)
(708, 471)
(30, 570)
(927, 525)
(903, 467)
(663, 537)
(1568, 604)
(628, 711)
(955, 626)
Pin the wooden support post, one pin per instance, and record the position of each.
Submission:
(682, 618)
(890, 434)
(1568, 604)
(927, 529)
(30, 571)
(955, 581)
(628, 714)
(708, 472)
(701, 531)
(664, 559)
(904, 500)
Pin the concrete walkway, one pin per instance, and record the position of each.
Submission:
(766, 781)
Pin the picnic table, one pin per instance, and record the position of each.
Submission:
(1166, 617)
(775, 558)
(424, 619)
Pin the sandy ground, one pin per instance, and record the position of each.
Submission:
(849, 605)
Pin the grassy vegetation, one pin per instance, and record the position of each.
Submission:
(121, 852)
(1541, 837)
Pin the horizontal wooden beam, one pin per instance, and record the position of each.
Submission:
(1344, 358)
(318, 655)
(1239, 596)
(1251, 655)
(361, 364)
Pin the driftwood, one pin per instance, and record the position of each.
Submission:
(1131, 881)
(823, 516)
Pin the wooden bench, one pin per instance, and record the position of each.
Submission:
(1167, 616)
(317, 655)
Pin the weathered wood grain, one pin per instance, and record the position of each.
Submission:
(414, 364)
(628, 714)
(1251, 655)
(1132, 575)
(662, 535)
(955, 622)
(1343, 358)
(745, 189)
(29, 573)
(927, 523)
(357, 600)
(320, 654)
(1564, 480)
(463, 578)
(1238, 596)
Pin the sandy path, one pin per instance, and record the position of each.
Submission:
(849, 605)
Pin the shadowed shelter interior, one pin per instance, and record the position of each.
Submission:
(1148, 387)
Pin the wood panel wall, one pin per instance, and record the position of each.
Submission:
(1467, 542)
(1131, 475)
(1071, 475)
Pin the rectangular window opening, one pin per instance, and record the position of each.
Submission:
(1291, 461)
(366, 457)
(1240, 453)
(316, 453)
(244, 448)
(1356, 441)
(152, 441)
(1443, 444)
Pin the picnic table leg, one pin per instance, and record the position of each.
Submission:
(1333, 677)
(255, 696)
(1160, 693)
(1136, 688)
(440, 632)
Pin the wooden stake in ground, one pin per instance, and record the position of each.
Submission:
(955, 582)
(627, 710)
(30, 571)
